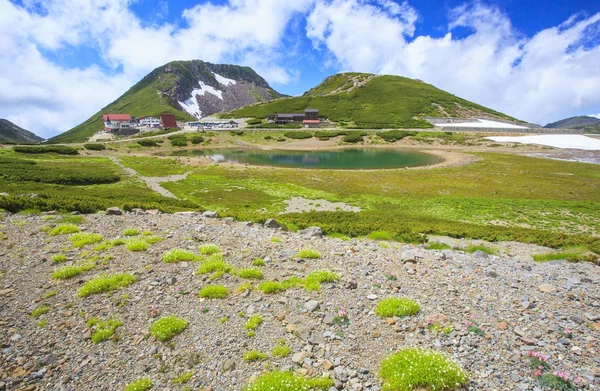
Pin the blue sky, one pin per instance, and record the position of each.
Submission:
(63, 60)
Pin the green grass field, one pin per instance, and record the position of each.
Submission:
(499, 197)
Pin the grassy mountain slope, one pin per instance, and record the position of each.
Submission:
(368, 101)
(580, 122)
(10, 132)
(162, 89)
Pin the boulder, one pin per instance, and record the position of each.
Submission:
(312, 232)
(272, 223)
(114, 211)
(210, 215)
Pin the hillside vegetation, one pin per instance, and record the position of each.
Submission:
(368, 101)
(12, 133)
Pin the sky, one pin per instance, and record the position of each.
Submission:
(61, 61)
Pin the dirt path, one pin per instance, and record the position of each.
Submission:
(153, 182)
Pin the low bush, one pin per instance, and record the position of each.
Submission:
(131, 232)
(211, 266)
(255, 355)
(253, 322)
(395, 135)
(381, 235)
(139, 385)
(94, 147)
(354, 137)
(437, 246)
(248, 273)
(209, 249)
(281, 350)
(67, 272)
(308, 254)
(106, 283)
(473, 248)
(39, 311)
(82, 239)
(148, 143)
(59, 258)
(254, 121)
(178, 255)
(64, 230)
(196, 139)
(313, 280)
(287, 381)
(298, 135)
(394, 306)
(167, 327)
(270, 287)
(102, 329)
(178, 141)
(414, 368)
(213, 292)
(60, 149)
(258, 262)
(136, 245)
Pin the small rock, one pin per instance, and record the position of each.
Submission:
(502, 326)
(312, 232)
(272, 223)
(229, 365)
(211, 215)
(298, 358)
(547, 288)
(114, 211)
(593, 318)
(372, 296)
(351, 285)
(170, 280)
(480, 254)
(311, 305)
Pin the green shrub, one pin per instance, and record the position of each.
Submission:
(253, 322)
(270, 287)
(71, 271)
(395, 135)
(131, 232)
(313, 280)
(147, 143)
(236, 132)
(381, 235)
(258, 262)
(554, 382)
(183, 378)
(197, 139)
(473, 248)
(214, 292)
(178, 141)
(94, 147)
(255, 355)
(253, 274)
(308, 254)
(570, 254)
(60, 149)
(254, 121)
(178, 255)
(167, 327)
(209, 249)
(64, 229)
(102, 329)
(437, 246)
(298, 135)
(212, 266)
(71, 219)
(39, 311)
(394, 306)
(139, 385)
(59, 258)
(108, 244)
(136, 245)
(281, 350)
(287, 381)
(414, 368)
(354, 137)
(50, 294)
(106, 283)
(83, 239)
(152, 239)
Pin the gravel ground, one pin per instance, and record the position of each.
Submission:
(520, 305)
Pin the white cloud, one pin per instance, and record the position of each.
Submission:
(542, 78)
(595, 115)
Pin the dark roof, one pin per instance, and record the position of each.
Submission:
(168, 120)
(311, 110)
(288, 115)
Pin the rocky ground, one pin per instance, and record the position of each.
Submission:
(520, 306)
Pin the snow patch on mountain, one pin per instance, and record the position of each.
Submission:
(191, 105)
(223, 80)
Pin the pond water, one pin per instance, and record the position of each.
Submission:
(347, 159)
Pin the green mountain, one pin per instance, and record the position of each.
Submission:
(188, 89)
(580, 122)
(365, 100)
(12, 133)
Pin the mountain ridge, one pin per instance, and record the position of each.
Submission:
(577, 122)
(188, 89)
(9, 132)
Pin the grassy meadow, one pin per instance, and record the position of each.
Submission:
(499, 197)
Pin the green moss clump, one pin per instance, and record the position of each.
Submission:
(258, 262)
(253, 322)
(212, 266)
(131, 232)
(308, 254)
(420, 368)
(39, 311)
(59, 258)
(253, 274)
(473, 248)
(167, 327)
(437, 246)
(136, 245)
(106, 283)
(255, 355)
(381, 235)
(209, 249)
(270, 287)
(281, 350)
(183, 378)
(103, 329)
(287, 381)
(64, 229)
(178, 255)
(83, 239)
(139, 385)
(67, 272)
(395, 306)
(313, 280)
(214, 292)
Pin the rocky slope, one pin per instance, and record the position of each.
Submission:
(10, 132)
(520, 306)
(189, 89)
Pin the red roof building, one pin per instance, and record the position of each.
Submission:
(311, 123)
(168, 121)
(116, 117)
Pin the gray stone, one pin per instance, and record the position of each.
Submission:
(312, 232)
(591, 317)
(272, 223)
(340, 374)
(170, 280)
(372, 296)
(114, 211)
(298, 358)
(480, 254)
(229, 365)
(48, 359)
(209, 214)
(311, 305)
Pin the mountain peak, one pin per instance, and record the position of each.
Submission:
(10, 132)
